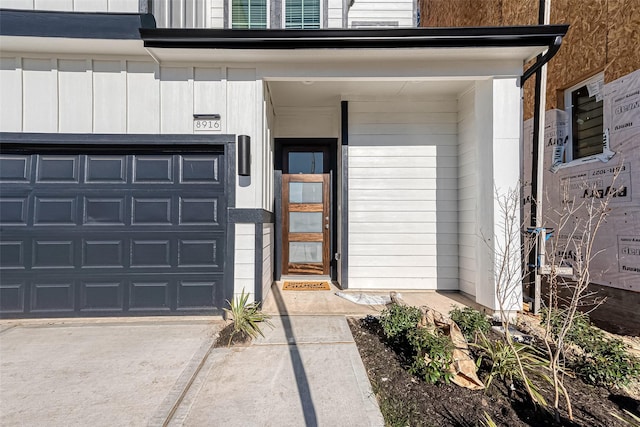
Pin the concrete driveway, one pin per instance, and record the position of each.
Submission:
(99, 372)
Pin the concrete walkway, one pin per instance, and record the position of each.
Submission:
(306, 371)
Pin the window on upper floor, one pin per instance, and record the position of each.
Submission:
(249, 14)
(583, 103)
(302, 14)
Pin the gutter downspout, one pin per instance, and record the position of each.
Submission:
(536, 258)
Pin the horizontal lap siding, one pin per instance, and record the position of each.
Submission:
(267, 258)
(245, 254)
(467, 203)
(403, 195)
(382, 11)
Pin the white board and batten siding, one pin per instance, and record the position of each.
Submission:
(112, 6)
(381, 13)
(403, 195)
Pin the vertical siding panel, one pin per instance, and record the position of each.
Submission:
(209, 93)
(75, 96)
(143, 97)
(90, 5)
(11, 95)
(66, 5)
(123, 6)
(40, 96)
(176, 100)
(109, 97)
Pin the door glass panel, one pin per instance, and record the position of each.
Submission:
(305, 192)
(301, 252)
(305, 162)
(305, 222)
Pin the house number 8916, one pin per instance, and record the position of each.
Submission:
(206, 125)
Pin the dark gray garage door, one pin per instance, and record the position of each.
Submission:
(112, 233)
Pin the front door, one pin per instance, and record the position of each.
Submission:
(305, 223)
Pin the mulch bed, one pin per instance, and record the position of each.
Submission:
(224, 336)
(408, 400)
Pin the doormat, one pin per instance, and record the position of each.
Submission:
(306, 286)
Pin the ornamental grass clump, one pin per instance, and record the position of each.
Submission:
(246, 317)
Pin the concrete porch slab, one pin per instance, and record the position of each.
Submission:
(327, 302)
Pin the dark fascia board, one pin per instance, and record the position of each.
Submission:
(80, 25)
(459, 37)
(17, 141)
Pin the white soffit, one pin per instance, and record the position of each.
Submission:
(74, 46)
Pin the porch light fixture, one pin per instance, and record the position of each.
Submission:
(244, 155)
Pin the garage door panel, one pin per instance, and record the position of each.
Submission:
(99, 253)
(106, 169)
(103, 210)
(55, 211)
(13, 210)
(53, 253)
(199, 169)
(15, 168)
(12, 296)
(52, 296)
(149, 295)
(153, 170)
(58, 169)
(102, 295)
(12, 254)
(111, 233)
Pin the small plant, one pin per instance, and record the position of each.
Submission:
(488, 421)
(608, 365)
(470, 322)
(603, 362)
(433, 354)
(398, 319)
(246, 317)
(506, 362)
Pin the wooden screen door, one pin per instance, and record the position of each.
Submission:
(305, 224)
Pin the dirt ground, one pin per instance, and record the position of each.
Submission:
(408, 400)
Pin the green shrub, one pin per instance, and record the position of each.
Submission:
(439, 351)
(397, 319)
(608, 364)
(604, 362)
(470, 322)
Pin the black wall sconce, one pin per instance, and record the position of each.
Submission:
(244, 155)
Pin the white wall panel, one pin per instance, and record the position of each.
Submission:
(244, 270)
(176, 100)
(131, 6)
(267, 258)
(402, 195)
(40, 95)
(11, 95)
(400, 12)
(143, 97)
(210, 94)
(75, 96)
(54, 5)
(467, 198)
(109, 97)
(91, 5)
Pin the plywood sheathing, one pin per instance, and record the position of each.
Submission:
(603, 35)
(460, 13)
(623, 38)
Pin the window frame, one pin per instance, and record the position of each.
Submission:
(568, 104)
(320, 15)
(267, 12)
